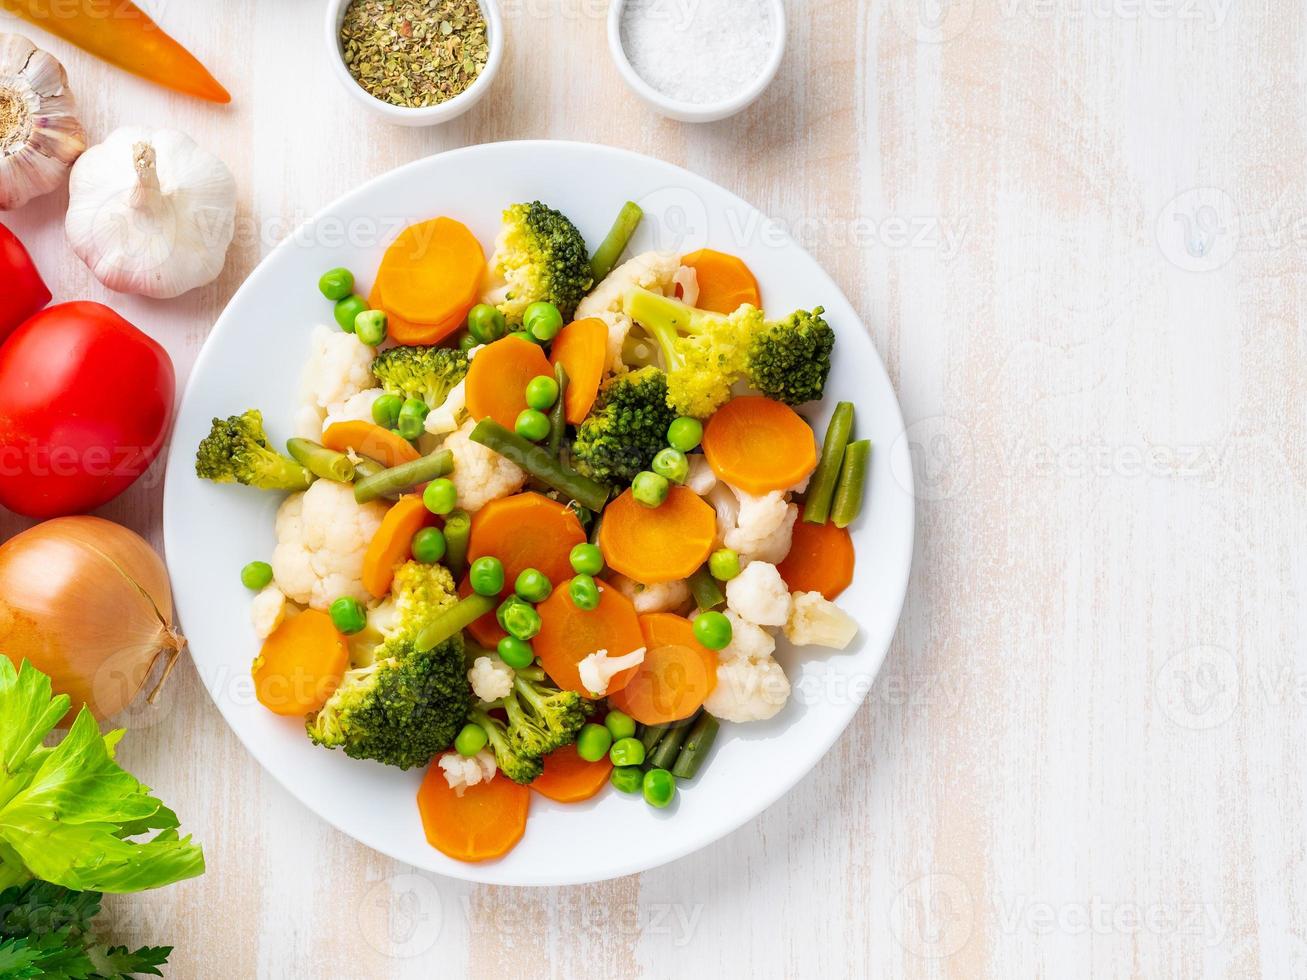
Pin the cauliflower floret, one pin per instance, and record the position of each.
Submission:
(598, 669)
(664, 597)
(749, 641)
(727, 506)
(701, 478)
(764, 527)
(449, 416)
(464, 771)
(760, 595)
(491, 678)
(322, 535)
(687, 279)
(267, 610)
(355, 408)
(816, 621)
(339, 367)
(480, 474)
(748, 690)
(654, 271)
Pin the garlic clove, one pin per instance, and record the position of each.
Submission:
(151, 213)
(40, 135)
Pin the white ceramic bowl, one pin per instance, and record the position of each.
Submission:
(431, 115)
(694, 111)
(211, 531)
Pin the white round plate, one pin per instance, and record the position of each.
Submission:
(253, 359)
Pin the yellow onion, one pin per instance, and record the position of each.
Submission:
(88, 603)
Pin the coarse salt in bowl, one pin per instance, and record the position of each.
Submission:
(697, 62)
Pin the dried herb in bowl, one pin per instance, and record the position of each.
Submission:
(414, 53)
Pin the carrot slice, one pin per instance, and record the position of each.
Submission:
(676, 677)
(370, 440)
(390, 546)
(497, 379)
(725, 281)
(820, 559)
(523, 531)
(570, 779)
(759, 445)
(399, 330)
(485, 822)
(582, 348)
(300, 665)
(431, 276)
(568, 635)
(660, 544)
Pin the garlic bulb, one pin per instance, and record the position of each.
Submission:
(151, 213)
(39, 135)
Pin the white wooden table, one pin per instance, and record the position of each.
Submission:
(1077, 237)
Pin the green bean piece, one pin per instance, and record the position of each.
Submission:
(650, 734)
(458, 531)
(535, 459)
(404, 476)
(615, 242)
(853, 483)
(365, 468)
(453, 619)
(821, 489)
(558, 415)
(707, 593)
(321, 461)
(664, 753)
(697, 746)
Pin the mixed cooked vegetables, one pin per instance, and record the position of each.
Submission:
(546, 516)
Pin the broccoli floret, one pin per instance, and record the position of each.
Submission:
(425, 373)
(541, 719)
(541, 256)
(627, 427)
(403, 707)
(236, 450)
(704, 353)
(789, 360)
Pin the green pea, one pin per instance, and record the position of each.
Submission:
(713, 630)
(542, 321)
(627, 752)
(348, 309)
(336, 283)
(429, 545)
(532, 424)
(348, 614)
(412, 418)
(533, 585)
(370, 327)
(593, 742)
(659, 788)
(587, 559)
(440, 496)
(256, 575)
(486, 576)
(584, 592)
(466, 342)
(486, 324)
(724, 564)
(542, 392)
(685, 434)
(650, 489)
(627, 779)
(620, 724)
(385, 411)
(519, 618)
(470, 740)
(672, 465)
(516, 653)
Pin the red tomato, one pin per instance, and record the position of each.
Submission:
(85, 405)
(24, 293)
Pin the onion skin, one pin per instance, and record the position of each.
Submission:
(87, 602)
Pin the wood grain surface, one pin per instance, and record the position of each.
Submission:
(1076, 232)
